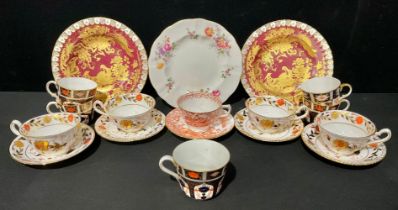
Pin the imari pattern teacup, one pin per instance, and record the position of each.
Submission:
(130, 112)
(346, 132)
(69, 107)
(86, 105)
(324, 91)
(73, 88)
(272, 114)
(51, 134)
(316, 109)
(200, 165)
(201, 109)
(343, 104)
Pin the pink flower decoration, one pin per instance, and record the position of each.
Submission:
(222, 43)
(167, 47)
(216, 93)
(126, 86)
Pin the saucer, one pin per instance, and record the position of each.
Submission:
(243, 124)
(21, 150)
(108, 130)
(176, 124)
(366, 156)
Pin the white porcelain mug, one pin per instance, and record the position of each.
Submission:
(272, 114)
(201, 109)
(346, 132)
(200, 166)
(130, 112)
(51, 134)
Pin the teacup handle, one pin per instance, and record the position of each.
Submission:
(50, 104)
(48, 84)
(166, 170)
(349, 89)
(227, 108)
(347, 104)
(300, 109)
(376, 137)
(15, 126)
(100, 104)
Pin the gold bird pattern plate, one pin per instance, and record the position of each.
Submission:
(282, 54)
(103, 50)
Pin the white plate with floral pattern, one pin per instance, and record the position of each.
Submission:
(24, 152)
(243, 124)
(108, 130)
(367, 156)
(194, 55)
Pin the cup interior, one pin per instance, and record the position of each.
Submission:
(201, 155)
(346, 124)
(126, 110)
(77, 83)
(320, 85)
(129, 105)
(343, 129)
(198, 102)
(270, 106)
(49, 125)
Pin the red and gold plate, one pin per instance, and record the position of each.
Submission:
(282, 54)
(103, 50)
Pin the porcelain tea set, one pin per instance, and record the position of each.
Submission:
(195, 65)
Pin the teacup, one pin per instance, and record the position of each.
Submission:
(272, 114)
(73, 88)
(130, 112)
(86, 105)
(200, 167)
(316, 109)
(51, 134)
(346, 132)
(343, 104)
(69, 107)
(324, 90)
(201, 109)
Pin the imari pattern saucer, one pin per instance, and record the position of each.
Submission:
(106, 128)
(243, 124)
(367, 156)
(177, 125)
(24, 152)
